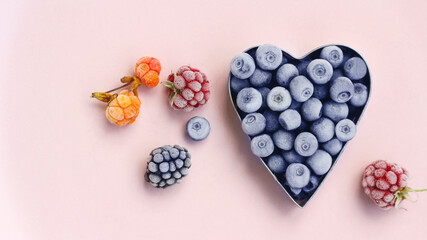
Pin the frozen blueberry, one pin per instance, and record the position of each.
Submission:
(297, 175)
(355, 68)
(242, 66)
(333, 146)
(276, 163)
(323, 129)
(253, 124)
(306, 144)
(320, 162)
(302, 67)
(345, 130)
(260, 78)
(285, 74)
(238, 84)
(249, 100)
(360, 95)
(198, 128)
(292, 157)
(272, 121)
(320, 71)
(284, 140)
(301, 88)
(295, 105)
(264, 92)
(268, 57)
(279, 99)
(335, 111)
(312, 184)
(333, 55)
(290, 119)
(311, 109)
(262, 145)
(341, 90)
(321, 91)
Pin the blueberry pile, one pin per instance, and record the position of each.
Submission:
(299, 113)
(167, 165)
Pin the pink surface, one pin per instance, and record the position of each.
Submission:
(66, 173)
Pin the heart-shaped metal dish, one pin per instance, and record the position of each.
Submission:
(354, 115)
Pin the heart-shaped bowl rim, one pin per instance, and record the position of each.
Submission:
(303, 202)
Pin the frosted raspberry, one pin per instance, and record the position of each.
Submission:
(188, 88)
(386, 184)
(123, 109)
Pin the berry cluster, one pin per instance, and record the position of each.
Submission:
(188, 88)
(299, 113)
(167, 165)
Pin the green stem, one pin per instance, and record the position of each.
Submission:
(420, 190)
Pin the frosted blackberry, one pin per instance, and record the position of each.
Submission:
(167, 165)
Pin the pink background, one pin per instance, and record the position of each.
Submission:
(66, 173)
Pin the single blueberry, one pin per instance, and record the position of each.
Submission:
(279, 99)
(295, 105)
(341, 90)
(295, 191)
(297, 175)
(311, 109)
(276, 163)
(321, 91)
(320, 162)
(333, 146)
(335, 111)
(301, 88)
(262, 145)
(198, 128)
(292, 157)
(272, 121)
(264, 93)
(290, 119)
(355, 68)
(249, 100)
(306, 144)
(284, 140)
(345, 130)
(253, 124)
(360, 95)
(260, 78)
(285, 74)
(323, 129)
(268, 57)
(238, 84)
(242, 66)
(333, 55)
(312, 184)
(320, 71)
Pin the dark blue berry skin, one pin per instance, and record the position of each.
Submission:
(167, 171)
(285, 74)
(312, 184)
(311, 109)
(264, 93)
(355, 68)
(238, 84)
(198, 128)
(242, 66)
(321, 91)
(341, 90)
(276, 163)
(292, 157)
(333, 55)
(272, 121)
(260, 78)
(333, 146)
(268, 57)
(337, 73)
(302, 67)
(249, 100)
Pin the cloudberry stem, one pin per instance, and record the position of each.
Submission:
(117, 88)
